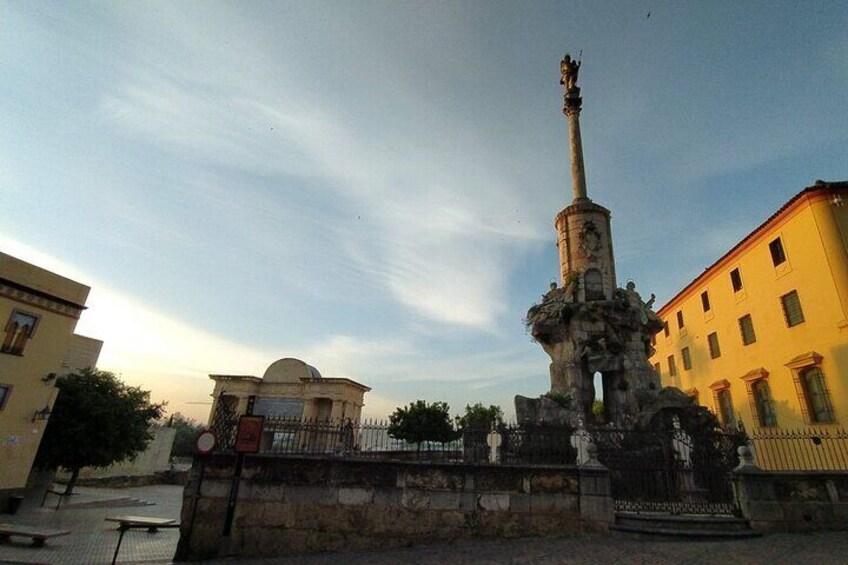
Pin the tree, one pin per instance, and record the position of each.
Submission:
(479, 416)
(186, 432)
(97, 420)
(420, 422)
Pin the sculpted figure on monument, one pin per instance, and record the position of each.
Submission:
(570, 68)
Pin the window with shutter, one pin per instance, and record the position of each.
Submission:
(746, 328)
(792, 308)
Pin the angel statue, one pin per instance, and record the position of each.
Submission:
(569, 67)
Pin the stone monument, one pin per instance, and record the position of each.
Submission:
(587, 324)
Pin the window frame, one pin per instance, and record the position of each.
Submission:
(777, 252)
(736, 281)
(745, 342)
(799, 366)
(687, 358)
(680, 324)
(705, 301)
(15, 343)
(4, 400)
(672, 365)
(715, 350)
(721, 390)
(783, 299)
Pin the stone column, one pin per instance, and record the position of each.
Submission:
(572, 112)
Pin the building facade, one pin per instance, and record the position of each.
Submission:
(761, 336)
(39, 311)
(290, 389)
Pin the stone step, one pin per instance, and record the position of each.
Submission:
(681, 521)
(691, 534)
(683, 526)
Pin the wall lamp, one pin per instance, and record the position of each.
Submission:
(42, 414)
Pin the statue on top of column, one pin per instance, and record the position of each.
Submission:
(570, 68)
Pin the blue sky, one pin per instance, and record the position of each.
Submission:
(371, 186)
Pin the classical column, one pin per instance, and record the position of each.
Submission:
(571, 109)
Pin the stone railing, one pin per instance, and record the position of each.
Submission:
(780, 501)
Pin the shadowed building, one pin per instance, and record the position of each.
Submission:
(761, 336)
(39, 311)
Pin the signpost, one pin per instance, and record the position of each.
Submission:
(248, 439)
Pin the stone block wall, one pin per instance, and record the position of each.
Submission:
(294, 505)
(787, 501)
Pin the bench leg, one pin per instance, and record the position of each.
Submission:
(4, 538)
(37, 542)
(152, 529)
(118, 548)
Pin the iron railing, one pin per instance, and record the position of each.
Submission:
(370, 439)
(810, 449)
(669, 470)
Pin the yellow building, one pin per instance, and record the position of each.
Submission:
(38, 310)
(761, 336)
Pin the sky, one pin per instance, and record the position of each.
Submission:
(371, 186)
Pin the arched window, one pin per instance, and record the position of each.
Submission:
(594, 284)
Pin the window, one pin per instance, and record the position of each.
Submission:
(792, 309)
(763, 406)
(5, 391)
(594, 284)
(724, 405)
(672, 368)
(687, 360)
(665, 328)
(657, 368)
(816, 397)
(746, 327)
(705, 301)
(736, 280)
(715, 350)
(778, 256)
(680, 320)
(19, 329)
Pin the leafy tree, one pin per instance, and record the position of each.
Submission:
(97, 420)
(420, 422)
(186, 432)
(479, 416)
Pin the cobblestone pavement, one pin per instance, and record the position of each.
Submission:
(93, 542)
(92, 539)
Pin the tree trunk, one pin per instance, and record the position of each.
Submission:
(69, 489)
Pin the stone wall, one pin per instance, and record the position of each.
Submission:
(292, 505)
(789, 501)
(154, 459)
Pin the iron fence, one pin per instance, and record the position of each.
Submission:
(370, 439)
(811, 449)
(669, 470)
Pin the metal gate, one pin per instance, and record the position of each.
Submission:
(669, 471)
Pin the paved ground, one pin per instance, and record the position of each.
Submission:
(93, 542)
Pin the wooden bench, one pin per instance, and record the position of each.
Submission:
(39, 535)
(138, 522)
